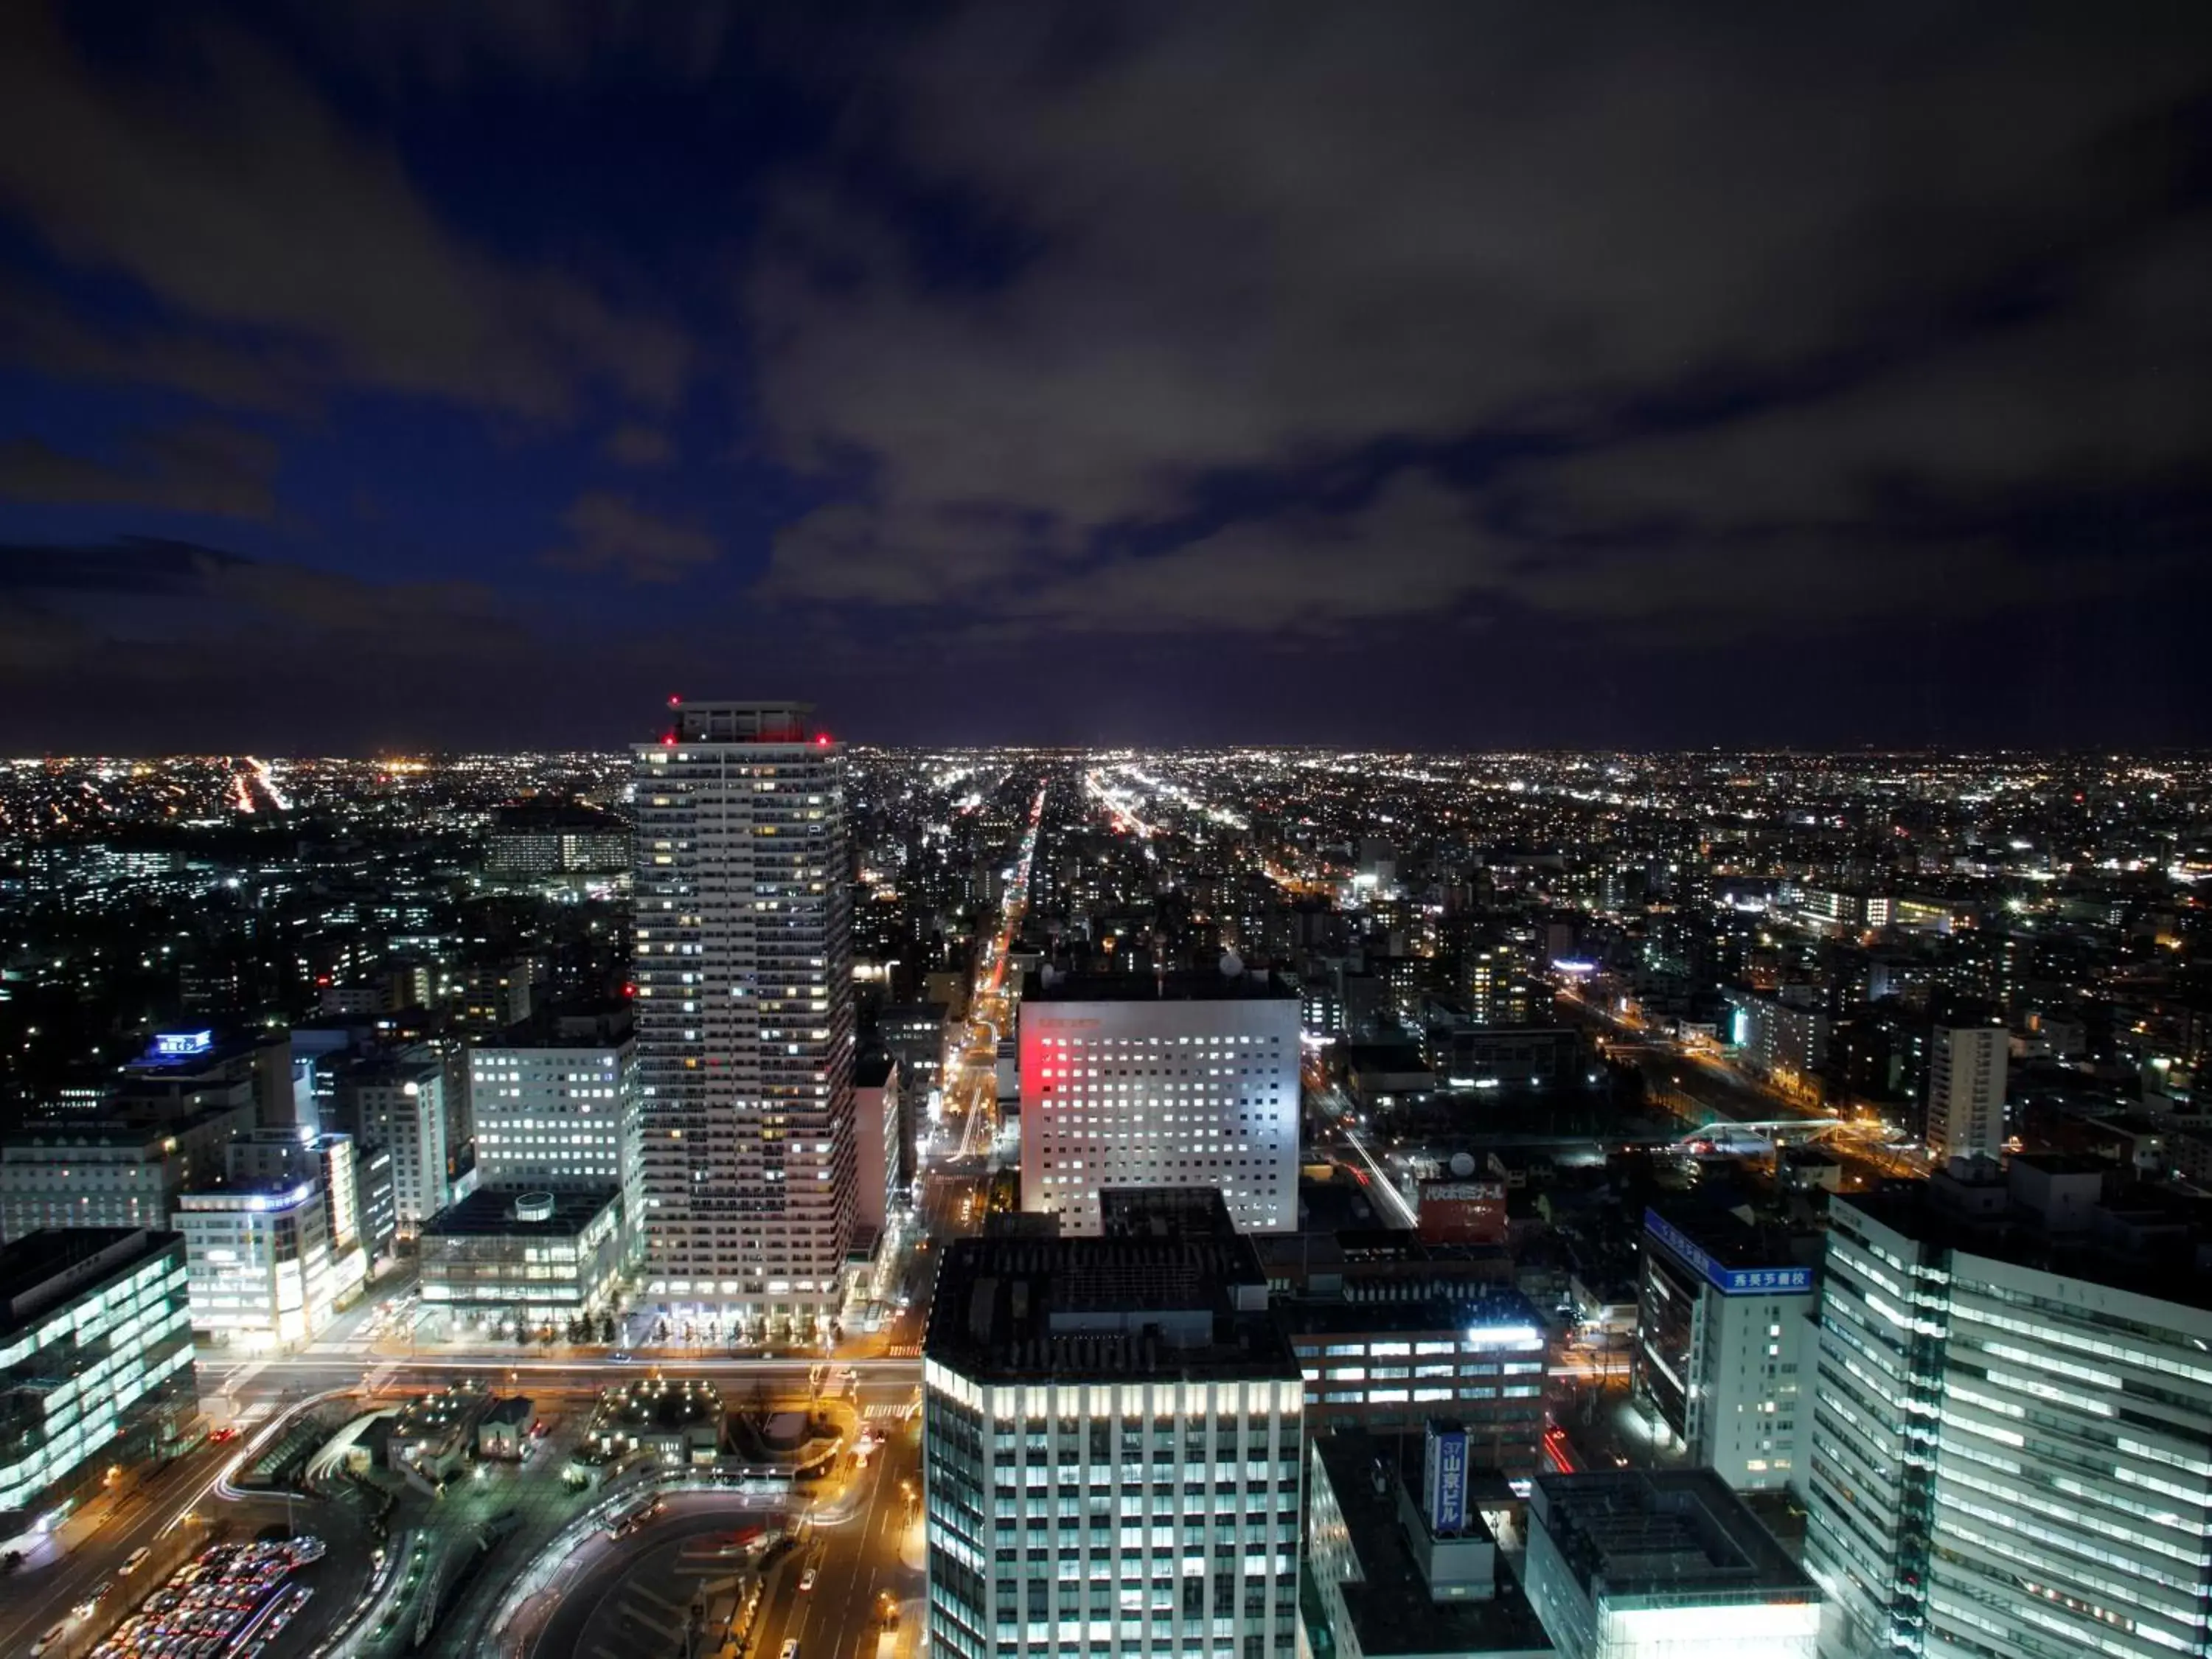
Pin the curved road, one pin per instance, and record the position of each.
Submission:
(630, 1599)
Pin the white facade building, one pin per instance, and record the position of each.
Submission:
(1112, 1452)
(558, 1117)
(400, 1105)
(257, 1262)
(2006, 1459)
(1723, 1347)
(1966, 1091)
(878, 1110)
(744, 1013)
(1181, 1080)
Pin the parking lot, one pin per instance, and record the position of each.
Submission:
(228, 1600)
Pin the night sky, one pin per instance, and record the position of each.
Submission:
(378, 376)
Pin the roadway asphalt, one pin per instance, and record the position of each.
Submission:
(632, 1598)
(41, 1595)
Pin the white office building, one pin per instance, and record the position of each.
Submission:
(744, 1014)
(399, 1104)
(1723, 1346)
(1160, 1080)
(878, 1112)
(1966, 1091)
(1112, 1451)
(2012, 1437)
(257, 1261)
(552, 1115)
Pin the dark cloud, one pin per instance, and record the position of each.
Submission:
(554, 40)
(40, 332)
(251, 206)
(1498, 373)
(609, 533)
(639, 446)
(1772, 276)
(202, 467)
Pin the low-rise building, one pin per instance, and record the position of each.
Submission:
(676, 1421)
(1648, 1565)
(535, 1257)
(1401, 1561)
(1724, 1344)
(504, 1431)
(1391, 1365)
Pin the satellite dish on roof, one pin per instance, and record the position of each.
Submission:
(1232, 965)
(1462, 1164)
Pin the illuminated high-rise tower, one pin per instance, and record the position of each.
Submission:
(744, 1014)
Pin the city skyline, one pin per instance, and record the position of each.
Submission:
(377, 380)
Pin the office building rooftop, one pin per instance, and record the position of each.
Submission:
(1079, 1309)
(53, 1263)
(1049, 984)
(1393, 1607)
(1674, 1535)
(495, 1210)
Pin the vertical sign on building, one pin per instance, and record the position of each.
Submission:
(1443, 1471)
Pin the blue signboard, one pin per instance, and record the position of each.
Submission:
(1729, 1281)
(174, 1045)
(1446, 1468)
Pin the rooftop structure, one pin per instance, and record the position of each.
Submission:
(1063, 1308)
(1385, 1590)
(1022, 1332)
(1637, 1562)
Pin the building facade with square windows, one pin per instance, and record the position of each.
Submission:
(551, 1114)
(1724, 1344)
(1112, 1451)
(744, 976)
(1175, 1079)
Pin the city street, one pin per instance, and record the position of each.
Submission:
(632, 1598)
(172, 1515)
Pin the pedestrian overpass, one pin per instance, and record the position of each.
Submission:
(1764, 1134)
